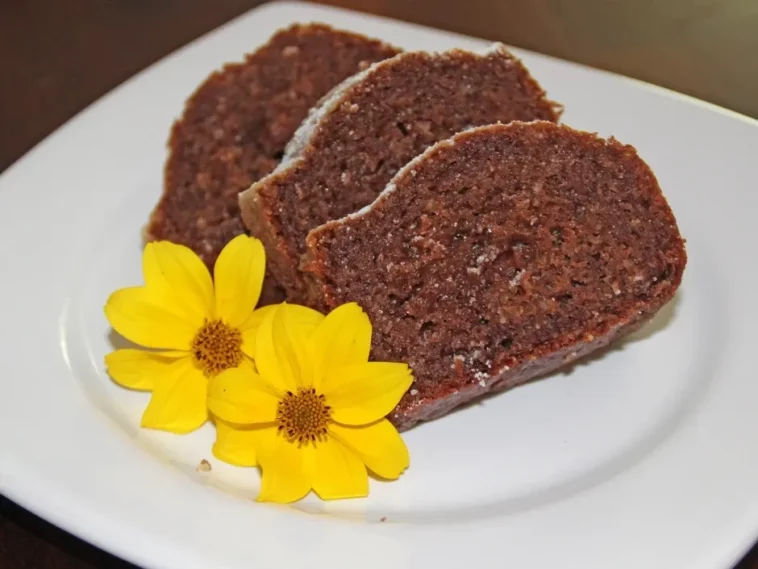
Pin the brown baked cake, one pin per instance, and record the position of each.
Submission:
(500, 255)
(235, 126)
(368, 128)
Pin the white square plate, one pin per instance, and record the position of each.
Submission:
(646, 457)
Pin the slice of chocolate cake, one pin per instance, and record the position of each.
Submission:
(500, 255)
(235, 126)
(368, 128)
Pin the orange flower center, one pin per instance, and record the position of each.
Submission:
(303, 417)
(217, 347)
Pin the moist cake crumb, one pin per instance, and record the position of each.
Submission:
(235, 127)
(582, 248)
(370, 126)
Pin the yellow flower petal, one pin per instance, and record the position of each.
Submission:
(270, 364)
(283, 354)
(179, 398)
(309, 319)
(250, 328)
(378, 445)
(239, 395)
(138, 369)
(236, 444)
(238, 277)
(140, 317)
(287, 469)
(176, 275)
(343, 338)
(364, 393)
(292, 348)
(337, 472)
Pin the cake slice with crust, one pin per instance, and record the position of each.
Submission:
(368, 128)
(235, 126)
(498, 256)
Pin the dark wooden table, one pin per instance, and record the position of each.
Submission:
(57, 57)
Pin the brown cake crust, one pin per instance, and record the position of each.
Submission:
(373, 125)
(235, 126)
(501, 255)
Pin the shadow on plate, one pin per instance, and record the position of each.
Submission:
(658, 323)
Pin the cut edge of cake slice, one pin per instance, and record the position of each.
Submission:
(260, 213)
(226, 139)
(403, 328)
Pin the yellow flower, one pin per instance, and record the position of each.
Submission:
(197, 330)
(313, 416)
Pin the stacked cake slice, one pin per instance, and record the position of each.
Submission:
(488, 244)
(371, 126)
(500, 255)
(235, 126)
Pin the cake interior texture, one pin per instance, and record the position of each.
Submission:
(499, 255)
(373, 127)
(235, 127)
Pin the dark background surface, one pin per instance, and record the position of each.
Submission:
(57, 57)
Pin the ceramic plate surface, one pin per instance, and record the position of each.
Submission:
(645, 457)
